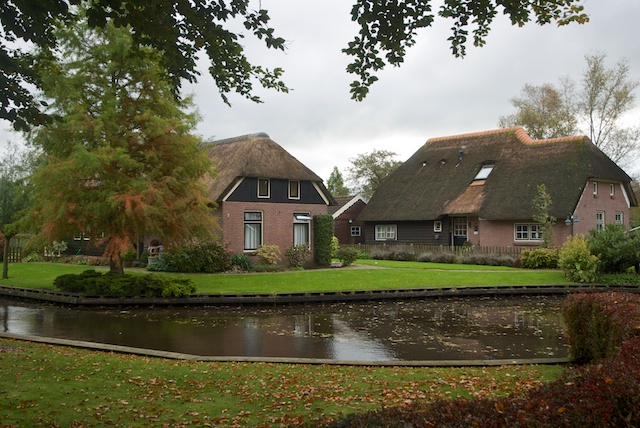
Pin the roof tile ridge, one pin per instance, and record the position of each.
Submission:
(515, 129)
(525, 138)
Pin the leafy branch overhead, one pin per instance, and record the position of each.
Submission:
(184, 29)
(388, 28)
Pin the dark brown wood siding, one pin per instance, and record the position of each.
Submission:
(410, 232)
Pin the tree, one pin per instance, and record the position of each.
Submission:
(595, 109)
(120, 161)
(368, 170)
(542, 214)
(335, 183)
(14, 197)
(544, 112)
(182, 29)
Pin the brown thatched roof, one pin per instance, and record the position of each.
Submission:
(253, 155)
(438, 179)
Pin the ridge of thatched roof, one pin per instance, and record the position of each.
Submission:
(252, 155)
(439, 178)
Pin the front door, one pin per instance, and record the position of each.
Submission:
(459, 231)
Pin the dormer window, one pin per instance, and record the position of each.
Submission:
(263, 188)
(484, 172)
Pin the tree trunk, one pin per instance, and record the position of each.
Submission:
(115, 265)
(5, 263)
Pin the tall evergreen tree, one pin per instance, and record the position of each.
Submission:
(120, 160)
(335, 184)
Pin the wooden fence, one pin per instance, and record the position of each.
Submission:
(418, 249)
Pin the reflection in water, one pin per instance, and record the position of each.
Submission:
(430, 329)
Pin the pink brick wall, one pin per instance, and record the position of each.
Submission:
(277, 222)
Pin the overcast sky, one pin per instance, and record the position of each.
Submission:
(433, 94)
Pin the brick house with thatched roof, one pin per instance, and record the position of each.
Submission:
(345, 214)
(480, 188)
(264, 195)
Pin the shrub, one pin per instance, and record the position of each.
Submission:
(347, 256)
(540, 258)
(576, 260)
(488, 259)
(241, 261)
(402, 254)
(110, 285)
(269, 254)
(297, 255)
(616, 249)
(445, 257)
(268, 268)
(381, 255)
(323, 234)
(203, 257)
(335, 246)
(425, 257)
(32, 257)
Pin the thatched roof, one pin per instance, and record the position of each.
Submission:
(439, 178)
(253, 155)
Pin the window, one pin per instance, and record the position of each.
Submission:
(528, 232)
(81, 237)
(355, 230)
(294, 189)
(437, 226)
(264, 187)
(595, 187)
(600, 220)
(252, 230)
(301, 228)
(484, 172)
(612, 189)
(386, 232)
(619, 218)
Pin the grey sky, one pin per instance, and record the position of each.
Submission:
(433, 94)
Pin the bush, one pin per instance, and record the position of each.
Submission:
(241, 261)
(111, 285)
(540, 258)
(445, 257)
(268, 268)
(297, 255)
(269, 254)
(347, 256)
(204, 257)
(488, 259)
(576, 260)
(323, 234)
(335, 246)
(32, 257)
(616, 249)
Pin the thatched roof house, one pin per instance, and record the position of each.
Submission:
(493, 176)
(264, 194)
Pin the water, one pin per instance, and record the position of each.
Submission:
(429, 329)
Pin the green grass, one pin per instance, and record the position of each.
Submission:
(395, 275)
(43, 385)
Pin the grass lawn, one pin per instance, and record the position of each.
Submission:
(386, 275)
(44, 385)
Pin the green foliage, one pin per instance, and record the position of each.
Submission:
(540, 258)
(95, 283)
(347, 255)
(542, 214)
(241, 261)
(323, 236)
(368, 170)
(335, 246)
(335, 184)
(269, 254)
(261, 267)
(32, 257)
(616, 249)
(202, 257)
(576, 260)
(297, 255)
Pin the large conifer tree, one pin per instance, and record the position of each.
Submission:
(120, 157)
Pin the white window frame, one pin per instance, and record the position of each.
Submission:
(252, 221)
(595, 187)
(619, 217)
(437, 226)
(297, 186)
(356, 231)
(600, 220)
(527, 232)
(386, 232)
(268, 194)
(300, 218)
(484, 172)
(612, 189)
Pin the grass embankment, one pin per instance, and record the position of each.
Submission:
(44, 385)
(369, 275)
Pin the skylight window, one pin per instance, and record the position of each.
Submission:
(483, 173)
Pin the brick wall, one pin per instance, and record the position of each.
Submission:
(277, 222)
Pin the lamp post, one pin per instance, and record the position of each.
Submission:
(570, 221)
